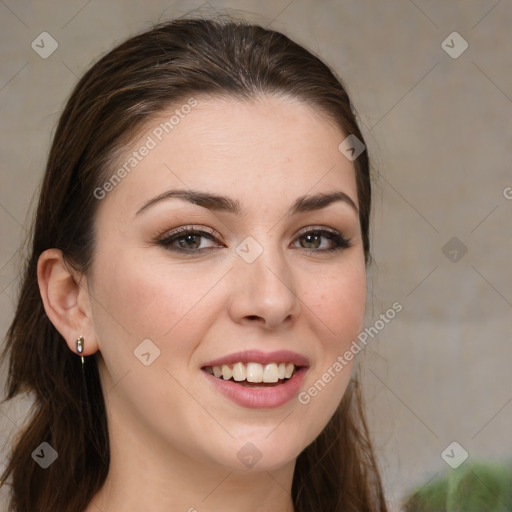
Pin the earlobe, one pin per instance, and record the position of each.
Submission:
(60, 288)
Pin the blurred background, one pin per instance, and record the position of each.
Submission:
(432, 85)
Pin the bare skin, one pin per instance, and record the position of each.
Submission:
(174, 437)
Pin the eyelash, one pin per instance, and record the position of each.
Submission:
(340, 242)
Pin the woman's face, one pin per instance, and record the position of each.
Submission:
(261, 285)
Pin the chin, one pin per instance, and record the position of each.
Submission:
(261, 452)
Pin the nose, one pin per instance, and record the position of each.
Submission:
(264, 292)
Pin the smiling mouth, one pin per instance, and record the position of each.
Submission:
(254, 375)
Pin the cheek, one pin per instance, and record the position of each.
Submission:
(138, 294)
(138, 301)
(337, 311)
(338, 302)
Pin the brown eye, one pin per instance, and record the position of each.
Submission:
(193, 239)
(313, 240)
(186, 240)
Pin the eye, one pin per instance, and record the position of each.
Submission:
(313, 240)
(187, 238)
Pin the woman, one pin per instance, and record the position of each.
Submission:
(198, 267)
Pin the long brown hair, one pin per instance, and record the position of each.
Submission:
(109, 105)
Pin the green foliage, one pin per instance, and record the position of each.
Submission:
(472, 487)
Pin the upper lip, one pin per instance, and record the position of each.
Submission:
(257, 356)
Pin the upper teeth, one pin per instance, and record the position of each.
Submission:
(254, 372)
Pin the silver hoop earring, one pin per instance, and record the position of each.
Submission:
(80, 347)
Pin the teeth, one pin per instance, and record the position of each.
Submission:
(239, 372)
(270, 373)
(254, 372)
(226, 372)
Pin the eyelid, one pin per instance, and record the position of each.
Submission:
(307, 229)
(185, 229)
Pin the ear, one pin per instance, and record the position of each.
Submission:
(66, 300)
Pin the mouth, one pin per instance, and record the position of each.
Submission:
(254, 375)
(256, 379)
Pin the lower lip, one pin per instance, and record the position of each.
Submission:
(259, 398)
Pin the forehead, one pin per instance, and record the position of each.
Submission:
(264, 153)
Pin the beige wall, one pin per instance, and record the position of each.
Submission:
(440, 132)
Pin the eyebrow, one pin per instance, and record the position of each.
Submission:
(226, 204)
